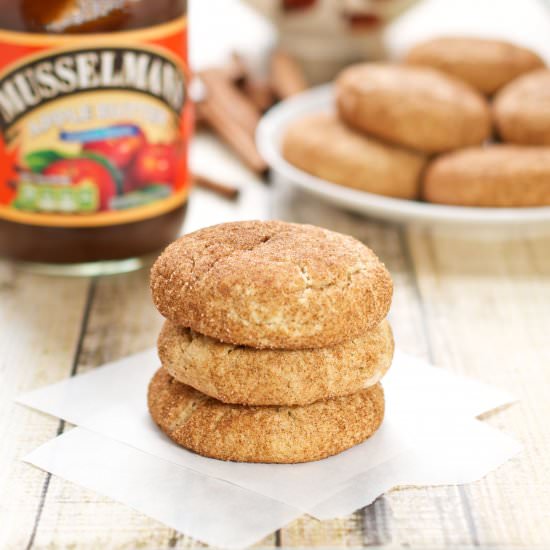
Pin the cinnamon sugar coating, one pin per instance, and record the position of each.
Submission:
(272, 285)
(263, 434)
(248, 376)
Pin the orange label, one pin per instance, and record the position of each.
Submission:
(93, 129)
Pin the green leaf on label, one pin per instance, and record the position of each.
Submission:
(159, 190)
(116, 174)
(39, 160)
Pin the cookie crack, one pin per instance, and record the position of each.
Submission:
(234, 252)
(309, 285)
(185, 415)
(306, 277)
(194, 259)
(220, 415)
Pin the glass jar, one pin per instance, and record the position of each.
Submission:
(94, 127)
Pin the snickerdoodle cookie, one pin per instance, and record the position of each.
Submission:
(496, 175)
(271, 285)
(263, 434)
(417, 107)
(324, 146)
(522, 109)
(487, 65)
(247, 376)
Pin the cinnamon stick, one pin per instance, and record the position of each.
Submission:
(286, 75)
(240, 139)
(230, 113)
(223, 189)
(199, 119)
(236, 69)
(221, 90)
(259, 92)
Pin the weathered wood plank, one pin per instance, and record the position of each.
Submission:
(121, 321)
(488, 316)
(40, 319)
(307, 532)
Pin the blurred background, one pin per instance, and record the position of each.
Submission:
(324, 36)
(384, 28)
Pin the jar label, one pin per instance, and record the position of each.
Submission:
(93, 128)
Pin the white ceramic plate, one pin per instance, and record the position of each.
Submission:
(271, 130)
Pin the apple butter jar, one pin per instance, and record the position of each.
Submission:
(94, 127)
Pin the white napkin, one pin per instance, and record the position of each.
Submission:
(112, 401)
(204, 508)
(226, 515)
(428, 437)
(462, 452)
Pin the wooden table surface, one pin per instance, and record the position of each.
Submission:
(471, 304)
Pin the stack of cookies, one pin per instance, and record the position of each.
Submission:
(274, 343)
(424, 129)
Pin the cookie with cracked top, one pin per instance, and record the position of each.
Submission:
(272, 285)
(249, 376)
(263, 434)
(416, 107)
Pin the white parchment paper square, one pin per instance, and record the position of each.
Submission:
(461, 451)
(223, 514)
(202, 507)
(111, 401)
